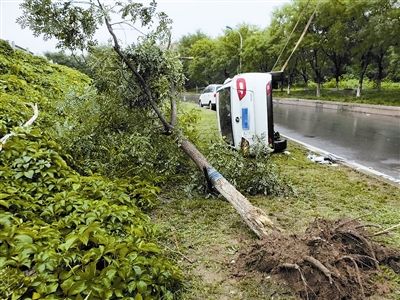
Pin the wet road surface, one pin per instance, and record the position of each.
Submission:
(370, 140)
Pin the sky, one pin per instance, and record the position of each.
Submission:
(209, 16)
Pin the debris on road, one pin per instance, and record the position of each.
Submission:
(324, 160)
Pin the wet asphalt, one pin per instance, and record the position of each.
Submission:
(370, 140)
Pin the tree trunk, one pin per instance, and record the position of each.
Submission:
(364, 64)
(380, 73)
(305, 79)
(254, 217)
(359, 88)
(288, 88)
(379, 84)
(360, 82)
(318, 94)
(380, 62)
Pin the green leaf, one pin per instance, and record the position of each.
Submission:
(4, 196)
(68, 242)
(141, 286)
(77, 288)
(29, 174)
(138, 270)
(138, 297)
(51, 287)
(4, 203)
(26, 239)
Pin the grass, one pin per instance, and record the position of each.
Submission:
(389, 97)
(204, 234)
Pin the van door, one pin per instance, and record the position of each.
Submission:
(225, 114)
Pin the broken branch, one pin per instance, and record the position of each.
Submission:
(387, 230)
(28, 123)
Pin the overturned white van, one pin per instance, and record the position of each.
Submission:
(245, 112)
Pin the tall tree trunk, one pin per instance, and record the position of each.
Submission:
(380, 71)
(361, 79)
(364, 65)
(305, 78)
(317, 71)
(359, 88)
(318, 93)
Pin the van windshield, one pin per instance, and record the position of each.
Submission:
(225, 113)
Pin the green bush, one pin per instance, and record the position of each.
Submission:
(68, 236)
(63, 235)
(391, 85)
(251, 175)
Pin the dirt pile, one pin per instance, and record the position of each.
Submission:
(331, 260)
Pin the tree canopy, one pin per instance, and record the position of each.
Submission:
(346, 38)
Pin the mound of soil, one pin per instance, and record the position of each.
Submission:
(331, 260)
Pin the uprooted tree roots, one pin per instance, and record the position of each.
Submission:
(331, 260)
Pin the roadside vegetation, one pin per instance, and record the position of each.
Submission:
(65, 234)
(349, 45)
(385, 96)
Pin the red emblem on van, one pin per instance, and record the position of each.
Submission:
(241, 88)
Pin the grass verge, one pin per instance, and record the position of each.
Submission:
(389, 97)
(205, 234)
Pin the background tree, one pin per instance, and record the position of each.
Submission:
(77, 62)
(334, 36)
(362, 37)
(184, 47)
(258, 54)
(200, 69)
(386, 26)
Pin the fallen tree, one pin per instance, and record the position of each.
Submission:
(74, 24)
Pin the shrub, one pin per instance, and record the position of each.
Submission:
(251, 175)
(65, 235)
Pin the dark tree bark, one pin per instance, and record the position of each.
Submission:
(379, 58)
(338, 63)
(365, 60)
(314, 63)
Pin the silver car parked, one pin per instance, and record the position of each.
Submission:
(209, 96)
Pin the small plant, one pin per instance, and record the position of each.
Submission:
(252, 174)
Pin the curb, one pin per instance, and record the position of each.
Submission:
(383, 110)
